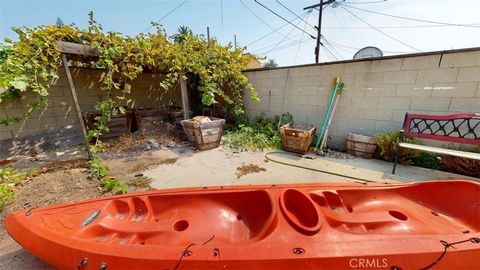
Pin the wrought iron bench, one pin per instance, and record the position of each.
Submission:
(455, 128)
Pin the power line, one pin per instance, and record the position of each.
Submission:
(259, 18)
(369, 2)
(273, 31)
(301, 39)
(399, 41)
(326, 49)
(282, 40)
(332, 47)
(357, 48)
(166, 15)
(288, 45)
(412, 19)
(221, 13)
(295, 14)
(284, 19)
(396, 27)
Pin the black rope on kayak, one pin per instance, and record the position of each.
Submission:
(186, 252)
(446, 246)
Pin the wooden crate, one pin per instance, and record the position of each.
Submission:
(297, 137)
(118, 125)
(148, 120)
(361, 145)
(204, 135)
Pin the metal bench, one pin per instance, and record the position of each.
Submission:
(461, 128)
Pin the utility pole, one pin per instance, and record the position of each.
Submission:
(208, 36)
(319, 27)
(235, 41)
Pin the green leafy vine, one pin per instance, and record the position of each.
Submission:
(30, 66)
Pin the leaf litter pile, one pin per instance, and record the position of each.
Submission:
(249, 169)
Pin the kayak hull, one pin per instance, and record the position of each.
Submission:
(310, 226)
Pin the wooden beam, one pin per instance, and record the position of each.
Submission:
(74, 48)
(183, 90)
(75, 101)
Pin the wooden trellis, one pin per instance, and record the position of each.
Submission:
(68, 48)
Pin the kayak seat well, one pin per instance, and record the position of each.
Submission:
(300, 211)
(424, 208)
(180, 219)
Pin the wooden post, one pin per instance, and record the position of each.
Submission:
(183, 89)
(75, 101)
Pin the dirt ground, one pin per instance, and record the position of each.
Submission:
(66, 181)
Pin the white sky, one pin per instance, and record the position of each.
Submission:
(424, 39)
(227, 18)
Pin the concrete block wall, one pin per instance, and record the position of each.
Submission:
(377, 93)
(57, 123)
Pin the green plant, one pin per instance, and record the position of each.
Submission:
(262, 134)
(11, 176)
(113, 185)
(269, 64)
(388, 144)
(99, 171)
(31, 63)
(427, 160)
(8, 179)
(7, 194)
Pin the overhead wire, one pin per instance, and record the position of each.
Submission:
(221, 13)
(328, 51)
(380, 31)
(166, 15)
(295, 14)
(256, 1)
(332, 47)
(393, 27)
(288, 45)
(301, 39)
(273, 31)
(411, 19)
(283, 39)
(367, 2)
(264, 22)
(357, 48)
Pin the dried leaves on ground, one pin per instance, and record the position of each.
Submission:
(249, 169)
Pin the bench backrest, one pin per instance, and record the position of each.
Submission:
(460, 128)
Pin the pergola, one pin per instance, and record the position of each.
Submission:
(68, 48)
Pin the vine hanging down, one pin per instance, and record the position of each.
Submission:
(30, 64)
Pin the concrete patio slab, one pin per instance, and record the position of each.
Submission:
(219, 167)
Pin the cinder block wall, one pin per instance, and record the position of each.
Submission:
(57, 123)
(377, 93)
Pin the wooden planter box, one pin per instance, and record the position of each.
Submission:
(361, 145)
(148, 119)
(204, 135)
(297, 138)
(118, 125)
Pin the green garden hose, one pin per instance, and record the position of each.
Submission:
(267, 156)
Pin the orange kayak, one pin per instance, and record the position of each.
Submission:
(428, 225)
